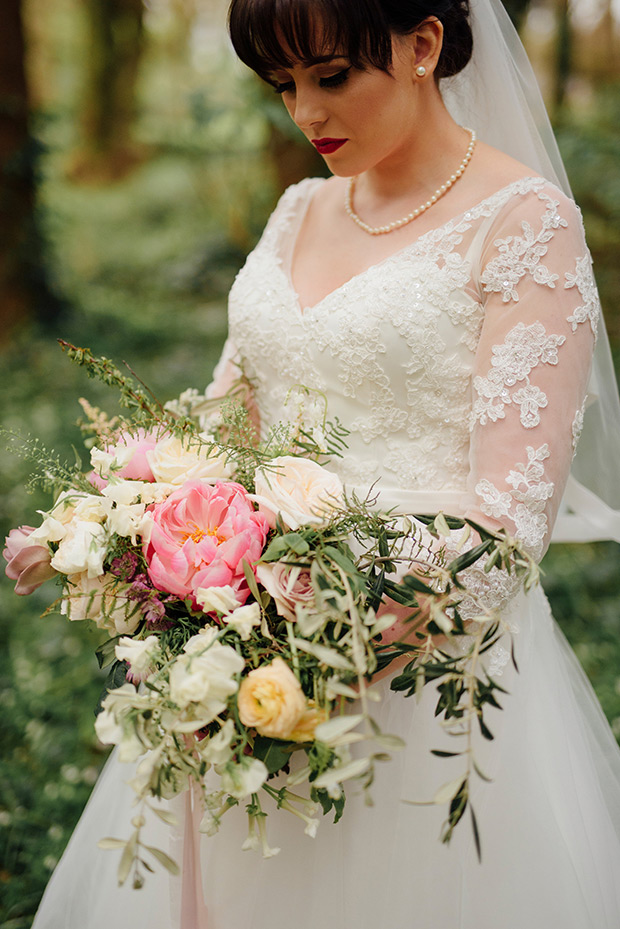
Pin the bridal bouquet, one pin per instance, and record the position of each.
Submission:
(244, 598)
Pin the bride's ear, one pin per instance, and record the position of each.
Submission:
(424, 45)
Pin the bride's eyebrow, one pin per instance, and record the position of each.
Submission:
(322, 59)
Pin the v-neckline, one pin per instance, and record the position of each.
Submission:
(287, 257)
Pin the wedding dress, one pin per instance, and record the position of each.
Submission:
(460, 365)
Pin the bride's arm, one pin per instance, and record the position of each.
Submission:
(229, 381)
(532, 366)
(530, 376)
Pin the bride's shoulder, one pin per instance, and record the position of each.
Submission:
(499, 173)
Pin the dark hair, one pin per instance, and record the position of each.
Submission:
(361, 30)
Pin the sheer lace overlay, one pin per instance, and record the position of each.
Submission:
(459, 363)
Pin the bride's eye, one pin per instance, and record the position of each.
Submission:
(283, 86)
(335, 80)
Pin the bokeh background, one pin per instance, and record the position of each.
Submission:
(138, 163)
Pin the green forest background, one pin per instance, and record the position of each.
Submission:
(138, 163)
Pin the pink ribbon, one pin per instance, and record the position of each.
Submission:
(193, 909)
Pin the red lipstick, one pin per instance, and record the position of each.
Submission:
(327, 146)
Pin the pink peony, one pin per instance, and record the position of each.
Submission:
(200, 537)
(27, 564)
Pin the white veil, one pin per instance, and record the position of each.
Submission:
(497, 94)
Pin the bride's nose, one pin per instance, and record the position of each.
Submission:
(307, 111)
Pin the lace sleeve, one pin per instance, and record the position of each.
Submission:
(532, 364)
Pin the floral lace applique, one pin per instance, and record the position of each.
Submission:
(524, 348)
(525, 504)
(521, 255)
(583, 280)
(577, 426)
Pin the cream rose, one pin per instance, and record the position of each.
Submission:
(271, 700)
(301, 491)
(174, 461)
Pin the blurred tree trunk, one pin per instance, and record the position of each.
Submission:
(115, 44)
(608, 36)
(563, 55)
(16, 176)
(24, 285)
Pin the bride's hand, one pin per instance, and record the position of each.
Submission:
(403, 629)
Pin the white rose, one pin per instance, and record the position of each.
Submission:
(216, 599)
(244, 619)
(95, 598)
(241, 780)
(176, 461)
(301, 491)
(83, 549)
(140, 653)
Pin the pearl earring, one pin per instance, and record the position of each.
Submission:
(420, 70)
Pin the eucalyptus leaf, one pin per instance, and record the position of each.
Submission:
(251, 580)
(333, 728)
(127, 859)
(164, 859)
(325, 655)
(165, 815)
(334, 776)
(448, 791)
(109, 843)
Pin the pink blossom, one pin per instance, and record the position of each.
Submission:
(200, 537)
(27, 564)
(131, 449)
(289, 585)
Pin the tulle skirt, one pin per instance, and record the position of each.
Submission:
(549, 825)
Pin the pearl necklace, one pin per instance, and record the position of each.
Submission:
(390, 227)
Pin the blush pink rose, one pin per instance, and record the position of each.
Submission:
(288, 585)
(27, 564)
(200, 537)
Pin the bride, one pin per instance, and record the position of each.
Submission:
(438, 291)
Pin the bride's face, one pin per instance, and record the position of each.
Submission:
(357, 119)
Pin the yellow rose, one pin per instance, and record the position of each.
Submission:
(271, 700)
(305, 726)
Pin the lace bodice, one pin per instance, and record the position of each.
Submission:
(459, 364)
